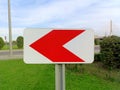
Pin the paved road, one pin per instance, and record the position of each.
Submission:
(15, 52)
(97, 49)
(4, 54)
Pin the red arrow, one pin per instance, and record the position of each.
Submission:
(51, 45)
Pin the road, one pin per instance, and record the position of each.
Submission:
(15, 52)
(97, 49)
(4, 54)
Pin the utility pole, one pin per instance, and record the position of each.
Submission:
(10, 29)
(110, 27)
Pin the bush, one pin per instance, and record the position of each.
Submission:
(98, 57)
(2, 43)
(110, 52)
(19, 42)
(97, 41)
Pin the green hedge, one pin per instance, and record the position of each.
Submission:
(98, 57)
(97, 41)
(110, 52)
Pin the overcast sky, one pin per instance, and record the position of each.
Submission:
(92, 14)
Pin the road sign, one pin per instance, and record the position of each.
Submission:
(58, 46)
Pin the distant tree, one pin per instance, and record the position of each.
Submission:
(2, 43)
(19, 42)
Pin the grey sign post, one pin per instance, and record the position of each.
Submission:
(60, 76)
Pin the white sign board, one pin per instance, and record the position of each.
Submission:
(58, 46)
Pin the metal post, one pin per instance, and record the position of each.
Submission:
(60, 76)
(10, 30)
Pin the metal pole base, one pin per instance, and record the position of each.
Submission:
(60, 76)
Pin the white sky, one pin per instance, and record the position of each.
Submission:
(93, 14)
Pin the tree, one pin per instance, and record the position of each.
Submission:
(2, 43)
(110, 51)
(19, 42)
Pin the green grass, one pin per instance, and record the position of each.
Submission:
(97, 70)
(89, 82)
(15, 75)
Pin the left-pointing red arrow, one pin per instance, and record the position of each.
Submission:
(51, 45)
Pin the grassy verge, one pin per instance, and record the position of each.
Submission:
(92, 77)
(89, 82)
(97, 70)
(15, 75)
